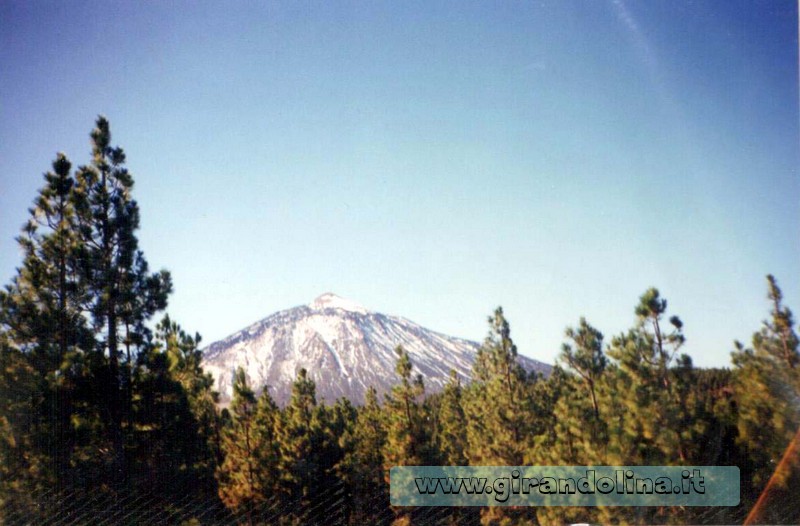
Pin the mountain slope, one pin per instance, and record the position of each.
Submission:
(344, 347)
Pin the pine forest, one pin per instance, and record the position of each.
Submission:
(107, 416)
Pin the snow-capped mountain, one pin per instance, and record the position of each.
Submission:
(344, 347)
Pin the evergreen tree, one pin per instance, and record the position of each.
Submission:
(74, 420)
(305, 453)
(95, 405)
(197, 426)
(244, 440)
(123, 294)
(361, 467)
(408, 442)
(24, 467)
(44, 304)
(580, 432)
(767, 391)
(501, 407)
(644, 412)
(646, 421)
(451, 437)
(185, 359)
(499, 404)
(267, 454)
(573, 436)
(586, 359)
(43, 337)
(777, 337)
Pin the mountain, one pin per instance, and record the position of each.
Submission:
(344, 347)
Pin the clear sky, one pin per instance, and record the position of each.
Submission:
(432, 160)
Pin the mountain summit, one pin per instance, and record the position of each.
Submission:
(344, 347)
(329, 300)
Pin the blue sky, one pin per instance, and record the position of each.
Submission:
(430, 159)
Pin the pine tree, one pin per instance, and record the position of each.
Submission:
(163, 451)
(24, 467)
(304, 447)
(44, 335)
(197, 426)
(267, 454)
(580, 432)
(499, 405)
(244, 442)
(644, 412)
(123, 294)
(777, 337)
(408, 442)
(361, 467)
(78, 422)
(450, 440)
(185, 359)
(586, 359)
(767, 391)
(451, 437)
(646, 429)
(338, 420)
(571, 436)
(502, 409)
(44, 303)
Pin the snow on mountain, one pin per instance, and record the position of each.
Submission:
(344, 347)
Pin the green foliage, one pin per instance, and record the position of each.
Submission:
(501, 407)
(183, 358)
(586, 359)
(307, 436)
(246, 476)
(451, 438)
(767, 391)
(499, 404)
(407, 442)
(646, 419)
(76, 416)
(23, 469)
(361, 468)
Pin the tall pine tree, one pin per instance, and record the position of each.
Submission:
(501, 411)
(306, 452)
(123, 294)
(646, 428)
(408, 442)
(451, 437)
(44, 335)
(361, 467)
(767, 381)
(242, 485)
(498, 405)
